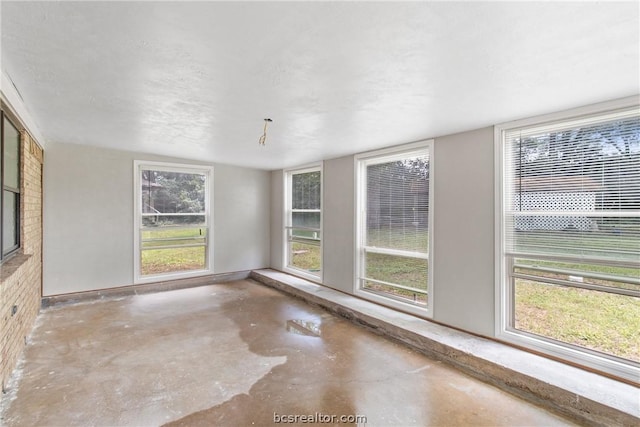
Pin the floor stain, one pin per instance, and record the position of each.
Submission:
(238, 354)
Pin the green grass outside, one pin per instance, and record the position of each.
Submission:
(594, 244)
(403, 271)
(596, 320)
(159, 261)
(408, 238)
(604, 269)
(306, 257)
(579, 269)
(409, 272)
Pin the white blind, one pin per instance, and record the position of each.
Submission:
(306, 199)
(398, 203)
(572, 189)
(305, 190)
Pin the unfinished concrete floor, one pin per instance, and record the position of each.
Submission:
(236, 354)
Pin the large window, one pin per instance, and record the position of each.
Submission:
(173, 225)
(569, 238)
(10, 179)
(303, 222)
(394, 223)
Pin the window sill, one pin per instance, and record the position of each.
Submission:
(583, 395)
(11, 265)
(304, 275)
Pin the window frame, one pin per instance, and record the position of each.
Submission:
(4, 255)
(138, 166)
(288, 218)
(504, 294)
(361, 161)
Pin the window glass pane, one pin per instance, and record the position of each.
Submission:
(593, 167)
(305, 255)
(404, 271)
(586, 318)
(305, 190)
(572, 232)
(561, 184)
(9, 221)
(159, 261)
(398, 204)
(173, 236)
(173, 230)
(395, 220)
(152, 220)
(306, 219)
(585, 236)
(172, 192)
(11, 156)
(303, 233)
(611, 276)
(304, 237)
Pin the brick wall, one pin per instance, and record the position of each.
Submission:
(21, 275)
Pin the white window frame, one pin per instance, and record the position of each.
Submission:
(6, 253)
(288, 175)
(503, 291)
(138, 166)
(360, 169)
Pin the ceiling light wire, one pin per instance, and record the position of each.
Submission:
(263, 138)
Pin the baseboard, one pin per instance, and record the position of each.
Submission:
(168, 285)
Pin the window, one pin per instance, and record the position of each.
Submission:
(303, 222)
(569, 238)
(173, 224)
(394, 227)
(10, 178)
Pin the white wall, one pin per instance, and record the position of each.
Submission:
(464, 231)
(88, 218)
(463, 250)
(338, 227)
(241, 218)
(277, 220)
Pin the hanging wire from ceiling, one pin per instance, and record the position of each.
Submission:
(263, 138)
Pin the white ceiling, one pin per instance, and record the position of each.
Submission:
(195, 80)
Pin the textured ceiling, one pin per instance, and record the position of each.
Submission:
(196, 79)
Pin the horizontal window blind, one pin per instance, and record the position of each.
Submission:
(393, 227)
(572, 190)
(398, 204)
(306, 199)
(305, 191)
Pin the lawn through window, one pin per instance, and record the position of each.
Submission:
(173, 219)
(571, 234)
(303, 223)
(394, 192)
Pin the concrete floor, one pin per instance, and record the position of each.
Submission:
(234, 354)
